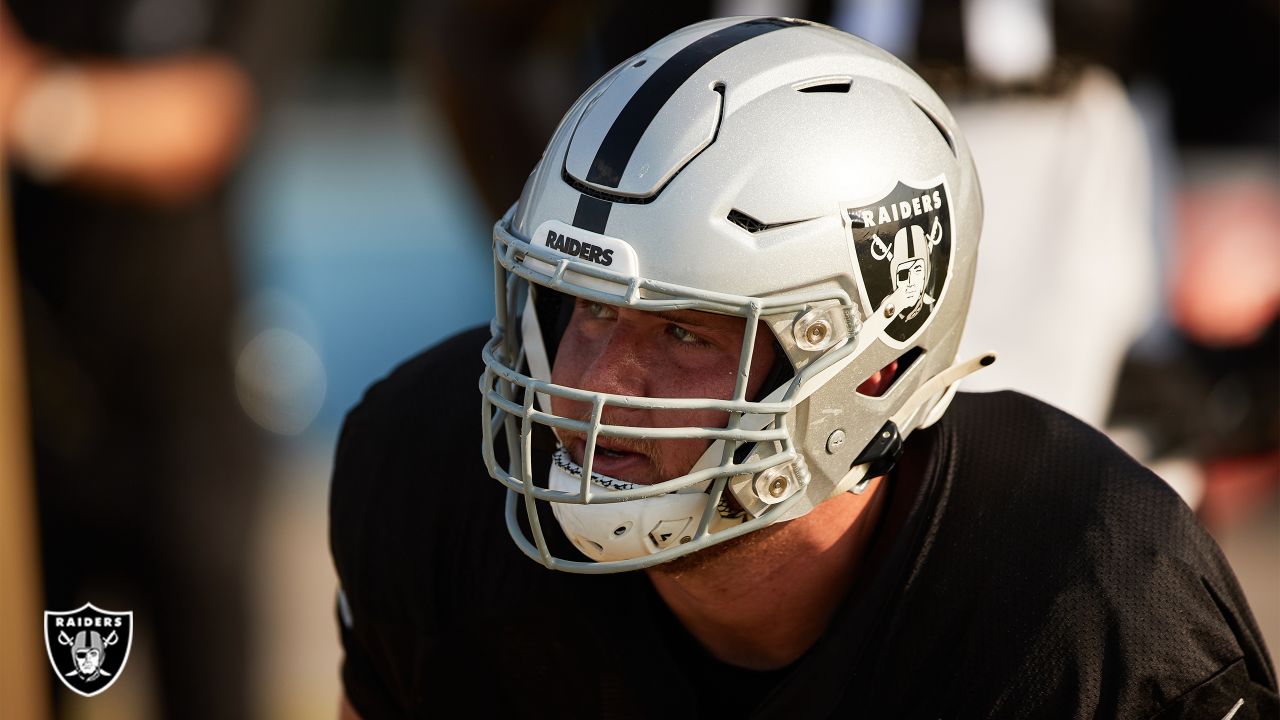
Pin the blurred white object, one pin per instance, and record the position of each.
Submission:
(891, 24)
(1008, 41)
(1067, 269)
(280, 381)
(54, 123)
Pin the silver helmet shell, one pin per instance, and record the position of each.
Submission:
(758, 167)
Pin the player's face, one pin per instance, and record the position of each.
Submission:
(677, 354)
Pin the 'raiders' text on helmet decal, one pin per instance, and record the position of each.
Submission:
(88, 647)
(580, 245)
(903, 241)
(574, 246)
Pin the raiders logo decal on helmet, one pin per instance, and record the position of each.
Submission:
(903, 240)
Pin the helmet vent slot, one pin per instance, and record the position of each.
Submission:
(746, 222)
(828, 86)
(904, 361)
(951, 143)
(753, 226)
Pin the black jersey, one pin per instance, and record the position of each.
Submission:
(1024, 567)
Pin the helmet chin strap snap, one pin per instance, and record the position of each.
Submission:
(879, 456)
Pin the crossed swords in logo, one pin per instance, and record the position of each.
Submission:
(880, 251)
(108, 641)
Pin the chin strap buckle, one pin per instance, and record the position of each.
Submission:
(880, 455)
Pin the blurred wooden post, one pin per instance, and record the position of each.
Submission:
(24, 667)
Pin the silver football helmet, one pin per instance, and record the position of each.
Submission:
(767, 168)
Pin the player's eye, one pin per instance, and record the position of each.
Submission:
(685, 336)
(903, 274)
(599, 311)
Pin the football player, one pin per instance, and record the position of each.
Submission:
(733, 474)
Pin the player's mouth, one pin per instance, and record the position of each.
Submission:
(613, 459)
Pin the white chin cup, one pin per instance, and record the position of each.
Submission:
(629, 529)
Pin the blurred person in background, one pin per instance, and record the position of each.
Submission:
(122, 121)
(1201, 393)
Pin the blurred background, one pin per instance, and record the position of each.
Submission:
(222, 220)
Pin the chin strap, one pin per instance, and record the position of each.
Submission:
(882, 453)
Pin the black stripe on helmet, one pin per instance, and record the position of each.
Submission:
(592, 214)
(620, 142)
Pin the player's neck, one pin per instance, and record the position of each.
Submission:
(762, 603)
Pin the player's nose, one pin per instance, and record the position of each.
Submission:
(617, 367)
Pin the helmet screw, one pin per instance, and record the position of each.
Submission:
(816, 333)
(685, 539)
(620, 530)
(889, 310)
(773, 485)
(778, 486)
(835, 441)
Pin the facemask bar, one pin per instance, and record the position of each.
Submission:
(509, 400)
(497, 375)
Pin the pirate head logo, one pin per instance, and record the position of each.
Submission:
(87, 652)
(88, 647)
(902, 243)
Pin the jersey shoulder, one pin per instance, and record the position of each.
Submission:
(1014, 449)
(407, 475)
(1106, 590)
(409, 451)
(428, 387)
